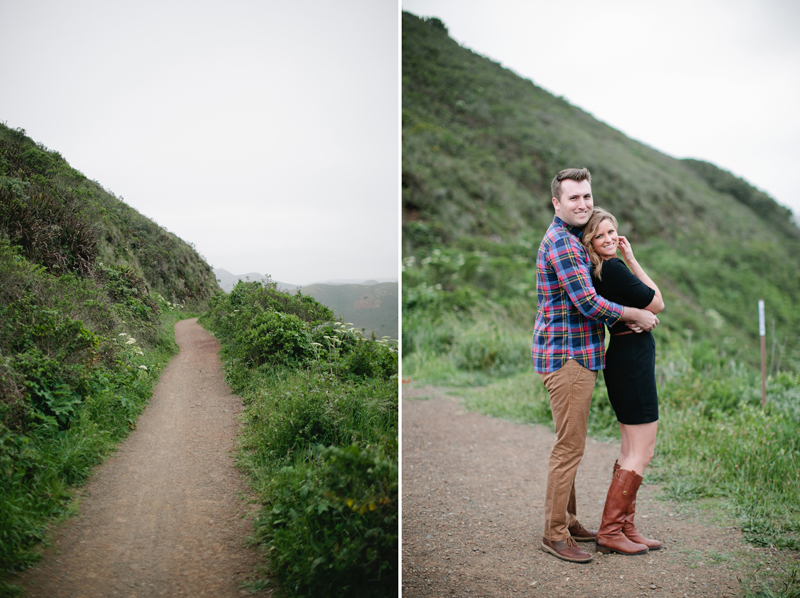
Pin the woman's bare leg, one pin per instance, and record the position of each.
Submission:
(638, 446)
(624, 448)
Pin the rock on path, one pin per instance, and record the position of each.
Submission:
(163, 516)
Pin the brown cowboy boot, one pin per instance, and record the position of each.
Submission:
(629, 529)
(621, 492)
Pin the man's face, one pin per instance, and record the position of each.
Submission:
(575, 205)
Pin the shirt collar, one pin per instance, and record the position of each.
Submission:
(577, 231)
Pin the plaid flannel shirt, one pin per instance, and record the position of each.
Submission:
(570, 314)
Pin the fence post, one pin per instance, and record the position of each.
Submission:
(762, 331)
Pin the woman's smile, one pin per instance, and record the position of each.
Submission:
(606, 240)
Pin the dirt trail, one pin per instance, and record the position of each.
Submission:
(473, 490)
(163, 516)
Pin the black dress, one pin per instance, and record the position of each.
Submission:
(630, 358)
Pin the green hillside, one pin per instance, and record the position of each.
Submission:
(89, 291)
(69, 223)
(372, 307)
(480, 147)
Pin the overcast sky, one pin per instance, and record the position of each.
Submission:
(264, 131)
(716, 80)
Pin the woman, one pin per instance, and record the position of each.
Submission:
(630, 379)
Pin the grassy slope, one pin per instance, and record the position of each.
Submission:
(123, 237)
(480, 146)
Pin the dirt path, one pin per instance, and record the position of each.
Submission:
(473, 489)
(163, 516)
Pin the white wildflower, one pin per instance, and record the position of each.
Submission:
(143, 367)
(130, 341)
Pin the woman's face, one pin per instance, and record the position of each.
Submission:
(605, 240)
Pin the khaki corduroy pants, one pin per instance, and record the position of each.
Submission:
(570, 390)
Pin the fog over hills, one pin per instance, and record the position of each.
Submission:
(227, 280)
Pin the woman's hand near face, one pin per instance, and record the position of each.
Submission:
(626, 250)
(657, 304)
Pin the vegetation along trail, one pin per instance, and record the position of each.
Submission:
(473, 491)
(165, 515)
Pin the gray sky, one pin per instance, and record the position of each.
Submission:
(716, 80)
(264, 131)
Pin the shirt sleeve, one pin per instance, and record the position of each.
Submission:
(628, 288)
(568, 260)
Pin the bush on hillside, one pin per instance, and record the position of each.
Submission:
(49, 228)
(276, 338)
(348, 505)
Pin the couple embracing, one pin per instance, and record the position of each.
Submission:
(582, 286)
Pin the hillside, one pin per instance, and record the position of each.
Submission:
(67, 222)
(89, 291)
(480, 146)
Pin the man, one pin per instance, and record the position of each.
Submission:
(568, 350)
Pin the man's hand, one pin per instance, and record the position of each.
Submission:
(639, 320)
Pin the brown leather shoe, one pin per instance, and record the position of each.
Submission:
(566, 550)
(581, 534)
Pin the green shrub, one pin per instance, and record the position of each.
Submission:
(333, 525)
(275, 338)
(49, 225)
(371, 359)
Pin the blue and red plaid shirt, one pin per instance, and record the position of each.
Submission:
(570, 315)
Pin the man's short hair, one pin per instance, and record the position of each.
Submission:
(575, 174)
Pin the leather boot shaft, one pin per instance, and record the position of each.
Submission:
(628, 527)
(621, 494)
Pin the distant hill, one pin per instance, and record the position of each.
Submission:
(373, 307)
(227, 280)
(480, 147)
(368, 304)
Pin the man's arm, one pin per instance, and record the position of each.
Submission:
(569, 263)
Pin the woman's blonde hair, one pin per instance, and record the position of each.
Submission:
(589, 231)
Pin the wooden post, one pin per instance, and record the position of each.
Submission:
(762, 331)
